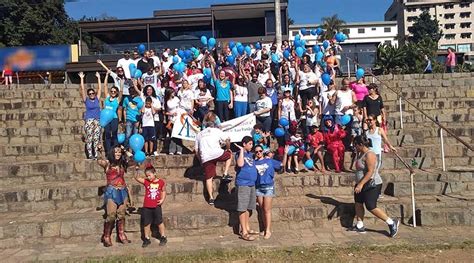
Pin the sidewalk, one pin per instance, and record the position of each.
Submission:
(330, 235)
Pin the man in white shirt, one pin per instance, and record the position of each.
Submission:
(166, 62)
(208, 150)
(125, 63)
(156, 60)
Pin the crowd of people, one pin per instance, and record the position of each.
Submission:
(302, 113)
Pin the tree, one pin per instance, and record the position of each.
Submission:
(29, 22)
(390, 59)
(331, 26)
(425, 28)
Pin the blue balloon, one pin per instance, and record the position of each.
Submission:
(188, 54)
(231, 44)
(319, 31)
(175, 59)
(241, 49)
(238, 44)
(303, 43)
(275, 58)
(319, 56)
(297, 43)
(120, 137)
(313, 32)
(316, 48)
(248, 50)
(138, 74)
(286, 54)
(181, 67)
(309, 164)
(340, 37)
(211, 42)
(297, 37)
(345, 119)
(360, 73)
(325, 44)
(345, 37)
(279, 132)
(231, 60)
(132, 67)
(106, 116)
(300, 51)
(258, 45)
(204, 40)
(181, 53)
(291, 149)
(136, 142)
(235, 52)
(284, 122)
(141, 49)
(207, 72)
(303, 31)
(326, 79)
(139, 157)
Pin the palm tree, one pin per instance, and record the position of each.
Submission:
(390, 59)
(331, 26)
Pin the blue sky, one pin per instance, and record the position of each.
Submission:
(302, 11)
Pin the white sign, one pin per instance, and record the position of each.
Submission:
(237, 128)
(185, 127)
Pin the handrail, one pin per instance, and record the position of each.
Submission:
(420, 110)
(412, 186)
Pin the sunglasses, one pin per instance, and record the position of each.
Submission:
(259, 151)
(113, 91)
(370, 120)
(91, 93)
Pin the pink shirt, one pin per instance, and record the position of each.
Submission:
(451, 59)
(360, 90)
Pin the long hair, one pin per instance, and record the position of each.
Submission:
(363, 140)
(153, 94)
(122, 162)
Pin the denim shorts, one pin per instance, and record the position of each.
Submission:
(265, 190)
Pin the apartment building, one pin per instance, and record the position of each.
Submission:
(456, 19)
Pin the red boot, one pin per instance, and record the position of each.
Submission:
(106, 240)
(121, 231)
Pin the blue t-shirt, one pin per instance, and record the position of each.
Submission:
(112, 105)
(223, 92)
(92, 109)
(247, 174)
(266, 171)
(132, 106)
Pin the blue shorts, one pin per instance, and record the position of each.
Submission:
(265, 190)
(148, 133)
(118, 195)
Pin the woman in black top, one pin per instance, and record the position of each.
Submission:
(373, 104)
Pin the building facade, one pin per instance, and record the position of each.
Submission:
(455, 18)
(361, 46)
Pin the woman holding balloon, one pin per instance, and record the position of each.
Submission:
(109, 119)
(91, 100)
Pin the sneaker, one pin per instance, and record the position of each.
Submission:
(146, 242)
(227, 178)
(394, 227)
(155, 153)
(163, 241)
(178, 153)
(170, 153)
(288, 170)
(211, 202)
(358, 230)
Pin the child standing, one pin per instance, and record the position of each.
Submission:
(154, 197)
(296, 141)
(148, 125)
(315, 146)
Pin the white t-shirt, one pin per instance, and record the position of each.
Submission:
(126, 83)
(194, 79)
(208, 143)
(172, 107)
(265, 103)
(305, 78)
(151, 79)
(167, 64)
(203, 99)
(156, 61)
(344, 98)
(241, 93)
(156, 103)
(288, 109)
(263, 77)
(125, 64)
(186, 98)
(147, 118)
(326, 108)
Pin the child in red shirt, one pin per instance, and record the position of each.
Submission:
(315, 145)
(155, 195)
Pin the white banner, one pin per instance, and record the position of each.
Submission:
(237, 128)
(185, 127)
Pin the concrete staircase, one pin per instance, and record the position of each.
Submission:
(50, 194)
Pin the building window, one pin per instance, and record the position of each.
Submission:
(449, 26)
(411, 9)
(465, 15)
(465, 35)
(464, 48)
(464, 5)
(294, 33)
(387, 29)
(411, 18)
(373, 28)
(445, 47)
(449, 16)
(387, 42)
(449, 36)
(361, 30)
(465, 25)
(346, 31)
(410, 28)
(423, 9)
(449, 6)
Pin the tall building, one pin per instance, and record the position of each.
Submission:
(455, 18)
(361, 46)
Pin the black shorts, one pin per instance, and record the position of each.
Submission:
(152, 216)
(369, 197)
(148, 133)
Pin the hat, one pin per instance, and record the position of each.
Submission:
(165, 54)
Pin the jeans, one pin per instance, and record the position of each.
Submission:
(240, 108)
(111, 135)
(130, 127)
(175, 145)
(201, 112)
(266, 122)
(222, 110)
(252, 107)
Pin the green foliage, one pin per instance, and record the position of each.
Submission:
(30, 22)
(424, 28)
(390, 59)
(331, 26)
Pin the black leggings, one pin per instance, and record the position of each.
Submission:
(369, 197)
(222, 110)
(306, 95)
